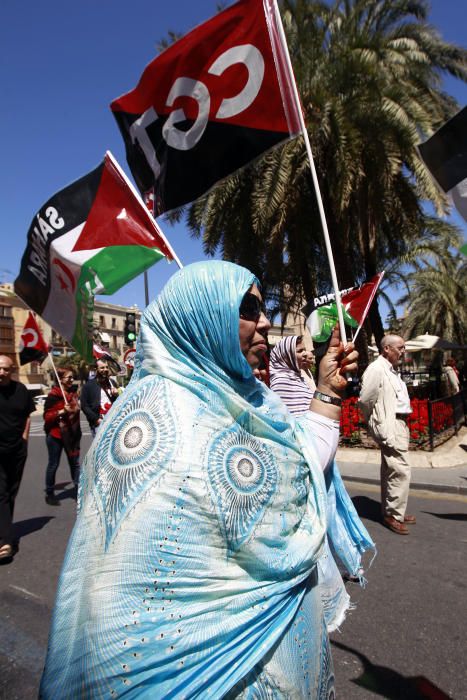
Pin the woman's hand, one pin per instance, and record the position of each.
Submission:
(335, 364)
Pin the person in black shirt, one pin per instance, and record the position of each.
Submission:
(16, 405)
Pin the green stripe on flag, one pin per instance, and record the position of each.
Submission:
(105, 273)
(117, 265)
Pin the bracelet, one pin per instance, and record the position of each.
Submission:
(325, 398)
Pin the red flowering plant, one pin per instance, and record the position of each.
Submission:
(442, 416)
(418, 422)
(352, 420)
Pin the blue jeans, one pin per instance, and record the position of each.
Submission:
(55, 447)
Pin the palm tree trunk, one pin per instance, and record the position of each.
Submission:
(376, 323)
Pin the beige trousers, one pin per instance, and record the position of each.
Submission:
(395, 474)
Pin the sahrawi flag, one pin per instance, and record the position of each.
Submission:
(209, 104)
(356, 302)
(32, 347)
(445, 155)
(91, 238)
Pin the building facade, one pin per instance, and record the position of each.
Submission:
(109, 323)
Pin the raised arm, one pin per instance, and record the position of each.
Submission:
(331, 380)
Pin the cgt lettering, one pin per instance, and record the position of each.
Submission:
(246, 54)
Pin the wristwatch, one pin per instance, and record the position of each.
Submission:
(325, 398)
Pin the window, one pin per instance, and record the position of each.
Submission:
(101, 322)
(6, 312)
(114, 323)
(7, 334)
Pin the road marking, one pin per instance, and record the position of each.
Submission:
(37, 430)
(23, 590)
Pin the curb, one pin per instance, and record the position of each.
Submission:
(414, 485)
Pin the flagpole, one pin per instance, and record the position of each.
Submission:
(314, 176)
(57, 377)
(367, 308)
(150, 216)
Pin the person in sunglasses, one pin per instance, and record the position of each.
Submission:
(62, 431)
(192, 570)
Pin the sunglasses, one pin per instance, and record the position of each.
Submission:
(251, 307)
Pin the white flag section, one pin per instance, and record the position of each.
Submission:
(61, 309)
(90, 238)
(459, 197)
(445, 155)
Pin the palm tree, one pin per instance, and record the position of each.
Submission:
(369, 77)
(437, 300)
(433, 248)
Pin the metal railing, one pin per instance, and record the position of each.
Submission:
(431, 422)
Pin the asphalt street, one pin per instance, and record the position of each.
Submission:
(404, 639)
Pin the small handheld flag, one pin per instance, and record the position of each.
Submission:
(445, 155)
(90, 238)
(322, 311)
(100, 353)
(33, 347)
(208, 105)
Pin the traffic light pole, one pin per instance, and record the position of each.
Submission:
(146, 288)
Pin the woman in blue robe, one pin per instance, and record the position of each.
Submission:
(192, 570)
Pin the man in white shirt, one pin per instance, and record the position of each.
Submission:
(385, 404)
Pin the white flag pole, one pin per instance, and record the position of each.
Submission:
(150, 216)
(57, 377)
(314, 176)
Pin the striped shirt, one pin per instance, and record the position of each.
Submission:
(286, 379)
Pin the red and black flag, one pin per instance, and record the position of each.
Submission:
(208, 105)
(445, 155)
(33, 347)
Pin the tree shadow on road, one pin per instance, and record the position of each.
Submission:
(447, 516)
(367, 508)
(23, 528)
(387, 683)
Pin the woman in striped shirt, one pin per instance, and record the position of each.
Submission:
(285, 365)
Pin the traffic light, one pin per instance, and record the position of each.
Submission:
(130, 329)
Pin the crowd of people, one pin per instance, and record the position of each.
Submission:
(214, 534)
(62, 433)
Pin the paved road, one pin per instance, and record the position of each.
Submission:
(407, 632)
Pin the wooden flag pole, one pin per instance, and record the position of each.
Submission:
(314, 176)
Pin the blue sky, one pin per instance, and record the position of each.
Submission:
(62, 63)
